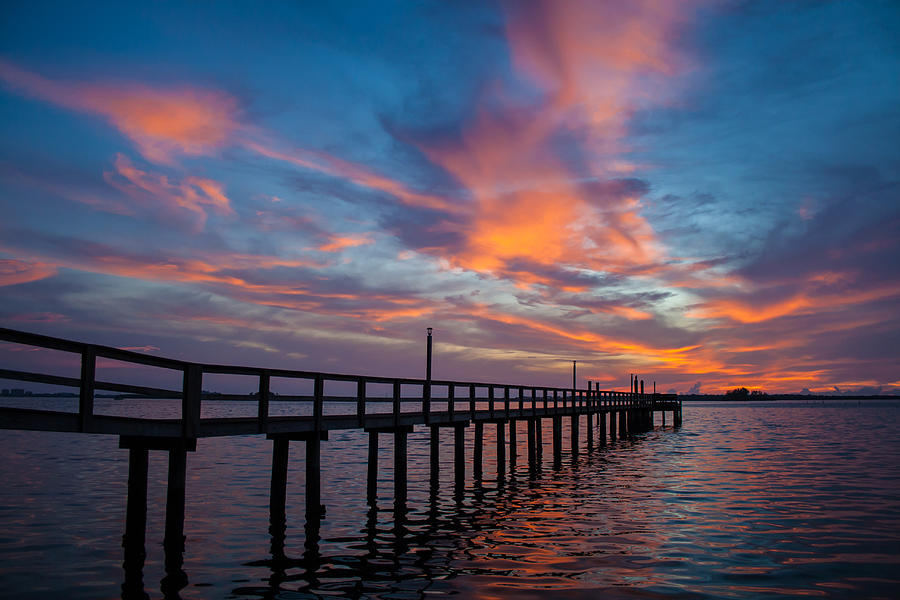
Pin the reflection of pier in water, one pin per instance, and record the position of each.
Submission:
(606, 415)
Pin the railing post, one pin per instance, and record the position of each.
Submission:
(191, 389)
(426, 399)
(396, 403)
(361, 401)
(318, 401)
(451, 393)
(521, 399)
(262, 410)
(86, 389)
(506, 400)
(491, 400)
(472, 399)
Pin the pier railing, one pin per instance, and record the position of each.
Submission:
(462, 400)
(607, 415)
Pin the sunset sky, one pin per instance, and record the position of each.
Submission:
(705, 193)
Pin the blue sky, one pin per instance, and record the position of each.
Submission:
(695, 191)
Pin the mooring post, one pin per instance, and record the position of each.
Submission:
(400, 466)
(477, 451)
(372, 475)
(501, 446)
(134, 540)
(459, 456)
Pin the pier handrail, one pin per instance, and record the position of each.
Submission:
(191, 393)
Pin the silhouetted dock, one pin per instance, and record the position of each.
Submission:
(437, 404)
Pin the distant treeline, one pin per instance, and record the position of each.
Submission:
(767, 397)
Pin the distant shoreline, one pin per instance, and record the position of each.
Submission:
(775, 397)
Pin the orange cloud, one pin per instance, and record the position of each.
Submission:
(13, 271)
(161, 122)
(190, 198)
(338, 243)
(799, 304)
(594, 62)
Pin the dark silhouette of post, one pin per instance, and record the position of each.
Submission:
(459, 457)
(135, 524)
(426, 399)
(513, 450)
(501, 450)
(574, 380)
(435, 443)
(400, 466)
(428, 354)
(477, 449)
(372, 475)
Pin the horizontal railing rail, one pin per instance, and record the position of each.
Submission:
(497, 399)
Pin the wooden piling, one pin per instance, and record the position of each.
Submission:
(532, 445)
(174, 536)
(459, 456)
(313, 476)
(477, 451)
(400, 465)
(574, 436)
(501, 447)
(435, 454)
(134, 540)
(513, 449)
(372, 471)
(278, 486)
(557, 440)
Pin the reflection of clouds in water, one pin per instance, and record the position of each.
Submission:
(740, 500)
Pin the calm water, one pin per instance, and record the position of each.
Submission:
(749, 501)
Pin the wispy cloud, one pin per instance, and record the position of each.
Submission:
(162, 122)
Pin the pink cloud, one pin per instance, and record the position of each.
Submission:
(14, 271)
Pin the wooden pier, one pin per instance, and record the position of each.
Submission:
(437, 404)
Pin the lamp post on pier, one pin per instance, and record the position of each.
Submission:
(428, 355)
